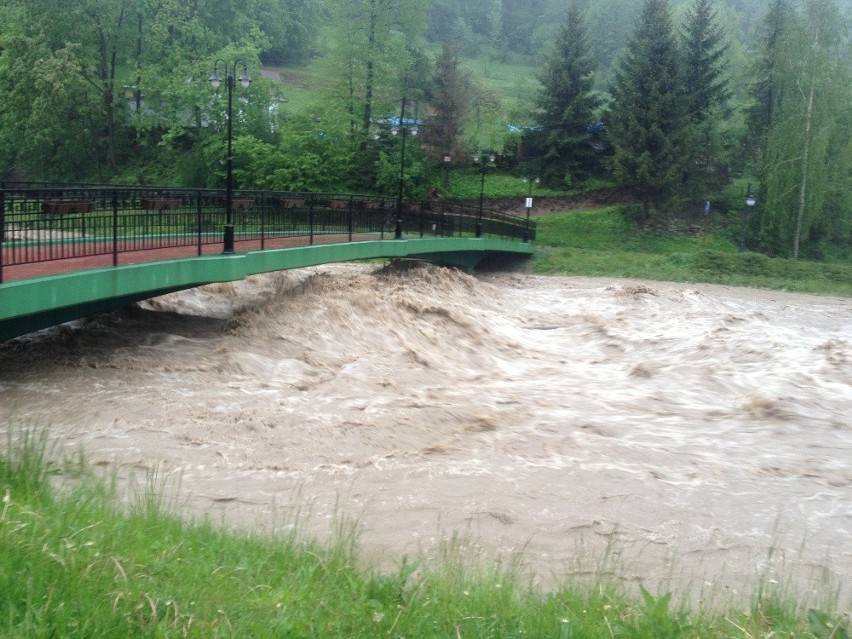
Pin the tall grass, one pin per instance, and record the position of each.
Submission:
(72, 564)
(607, 242)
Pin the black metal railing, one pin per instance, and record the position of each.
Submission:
(56, 222)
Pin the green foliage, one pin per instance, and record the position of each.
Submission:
(303, 161)
(803, 118)
(44, 90)
(26, 468)
(449, 95)
(705, 47)
(767, 73)
(648, 126)
(291, 28)
(608, 242)
(372, 58)
(567, 105)
(414, 175)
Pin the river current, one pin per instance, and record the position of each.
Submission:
(686, 437)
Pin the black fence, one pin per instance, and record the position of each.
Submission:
(47, 222)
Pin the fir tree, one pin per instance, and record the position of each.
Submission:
(767, 90)
(567, 104)
(706, 85)
(648, 126)
(704, 70)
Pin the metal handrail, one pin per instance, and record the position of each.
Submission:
(57, 222)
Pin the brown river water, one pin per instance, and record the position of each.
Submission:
(687, 437)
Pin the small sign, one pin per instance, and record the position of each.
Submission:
(529, 202)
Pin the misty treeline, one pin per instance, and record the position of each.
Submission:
(670, 99)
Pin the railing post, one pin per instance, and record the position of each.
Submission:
(2, 226)
(262, 216)
(311, 219)
(198, 218)
(115, 228)
(350, 217)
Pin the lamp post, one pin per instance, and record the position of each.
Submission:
(750, 201)
(485, 160)
(529, 204)
(215, 81)
(402, 127)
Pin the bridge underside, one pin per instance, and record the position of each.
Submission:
(30, 305)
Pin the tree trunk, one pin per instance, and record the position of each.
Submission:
(368, 89)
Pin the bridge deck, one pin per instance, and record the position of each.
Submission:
(15, 272)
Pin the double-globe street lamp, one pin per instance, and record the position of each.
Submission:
(230, 81)
(484, 159)
(402, 127)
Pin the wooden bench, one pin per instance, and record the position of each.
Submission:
(160, 203)
(288, 203)
(63, 207)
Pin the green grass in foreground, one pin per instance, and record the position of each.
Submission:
(73, 565)
(606, 242)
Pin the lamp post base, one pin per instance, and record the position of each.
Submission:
(479, 229)
(398, 232)
(228, 244)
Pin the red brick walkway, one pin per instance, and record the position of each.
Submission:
(67, 265)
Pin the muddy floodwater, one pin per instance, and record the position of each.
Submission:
(682, 436)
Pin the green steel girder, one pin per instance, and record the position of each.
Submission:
(33, 304)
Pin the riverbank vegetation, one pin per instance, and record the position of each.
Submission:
(74, 564)
(604, 242)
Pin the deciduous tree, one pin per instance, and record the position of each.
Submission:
(449, 95)
(805, 138)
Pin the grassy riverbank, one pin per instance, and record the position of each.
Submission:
(73, 565)
(606, 242)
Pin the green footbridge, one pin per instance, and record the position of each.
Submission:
(69, 253)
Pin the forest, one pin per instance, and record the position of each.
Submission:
(671, 101)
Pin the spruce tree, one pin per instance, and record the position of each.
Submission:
(648, 126)
(704, 61)
(567, 104)
(768, 73)
(706, 85)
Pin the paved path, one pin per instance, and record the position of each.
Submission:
(67, 265)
